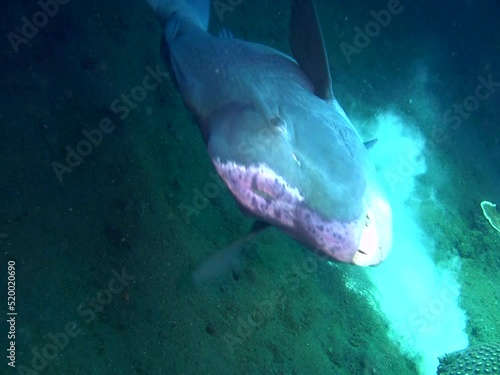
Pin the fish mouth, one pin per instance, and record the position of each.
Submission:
(263, 193)
(376, 236)
(369, 251)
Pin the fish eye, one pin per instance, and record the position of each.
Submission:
(278, 126)
(278, 122)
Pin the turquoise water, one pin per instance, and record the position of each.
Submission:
(104, 243)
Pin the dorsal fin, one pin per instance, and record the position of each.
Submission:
(306, 44)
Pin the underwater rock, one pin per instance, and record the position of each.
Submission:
(478, 360)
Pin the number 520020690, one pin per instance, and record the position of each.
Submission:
(11, 285)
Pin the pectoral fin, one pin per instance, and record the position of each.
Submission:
(225, 259)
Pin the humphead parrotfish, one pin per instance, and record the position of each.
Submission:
(276, 134)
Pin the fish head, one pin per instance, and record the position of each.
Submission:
(306, 171)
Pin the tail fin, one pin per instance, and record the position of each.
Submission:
(197, 11)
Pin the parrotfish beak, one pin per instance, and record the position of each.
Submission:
(376, 237)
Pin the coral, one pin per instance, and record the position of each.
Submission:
(491, 213)
(478, 360)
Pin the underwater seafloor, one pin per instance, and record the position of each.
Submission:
(103, 257)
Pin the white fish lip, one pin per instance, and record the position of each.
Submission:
(376, 237)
